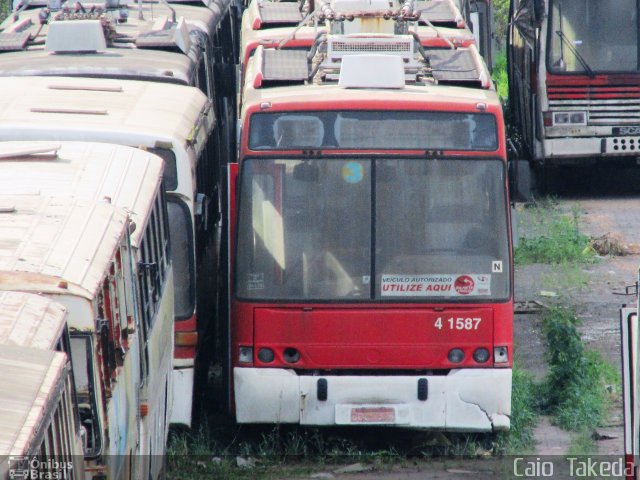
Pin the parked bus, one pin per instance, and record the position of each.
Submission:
(159, 42)
(370, 248)
(174, 122)
(125, 177)
(39, 421)
(573, 81)
(119, 313)
(38, 428)
(298, 24)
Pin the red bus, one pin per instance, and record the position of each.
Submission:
(370, 249)
(574, 70)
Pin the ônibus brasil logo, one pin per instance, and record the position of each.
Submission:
(34, 468)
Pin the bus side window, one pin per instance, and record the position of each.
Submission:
(83, 361)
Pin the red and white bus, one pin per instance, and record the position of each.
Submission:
(574, 70)
(370, 250)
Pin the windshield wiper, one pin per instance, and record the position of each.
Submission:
(573, 50)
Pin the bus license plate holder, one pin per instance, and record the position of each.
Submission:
(354, 414)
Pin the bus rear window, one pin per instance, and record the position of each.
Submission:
(360, 130)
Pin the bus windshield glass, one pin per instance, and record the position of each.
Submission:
(593, 36)
(372, 230)
(388, 130)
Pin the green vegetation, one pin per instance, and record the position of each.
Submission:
(553, 236)
(500, 76)
(4, 9)
(574, 390)
(519, 440)
(500, 22)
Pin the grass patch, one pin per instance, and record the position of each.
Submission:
(574, 390)
(500, 76)
(553, 237)
(565, 278)
(519, 439)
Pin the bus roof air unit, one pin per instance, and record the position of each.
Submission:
(76, 36)
(371, 71)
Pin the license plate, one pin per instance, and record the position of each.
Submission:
(623, 131)
(373, 415)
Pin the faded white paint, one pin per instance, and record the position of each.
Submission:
(464, 400)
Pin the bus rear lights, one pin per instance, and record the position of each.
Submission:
(500, 355)
(455, 355)
(266, 355)
(245, 355)
(291, 355)
(481, 355)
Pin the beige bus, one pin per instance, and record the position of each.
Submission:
(172, 121)
(119, 301)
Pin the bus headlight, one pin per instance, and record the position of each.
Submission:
(481, 355)
(246, 355)
(291, 355)
(569, 118)
(266, 355)
(455, 355)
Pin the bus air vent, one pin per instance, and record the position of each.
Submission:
(75, 36)
(282, 13)
(372, 71)
(285, 65)
(177, 36)
(13, 41)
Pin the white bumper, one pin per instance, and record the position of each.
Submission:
(591, 146)
(465, 400)
(182, 380)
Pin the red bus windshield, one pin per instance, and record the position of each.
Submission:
(359, 229)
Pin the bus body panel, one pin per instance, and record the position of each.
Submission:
(458, 401)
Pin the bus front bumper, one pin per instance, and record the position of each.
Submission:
(580, 147)
(464, 400)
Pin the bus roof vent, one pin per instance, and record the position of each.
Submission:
(441, 13)
(11, 42)
(35, 152)
(75, 36)
(279, 13)
(341, 46)
(372, 71)
(176, 35)
(463, 66)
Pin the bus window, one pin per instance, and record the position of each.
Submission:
(83, 361)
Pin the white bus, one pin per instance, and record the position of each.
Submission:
(171, 121)
(37, 420)
(40, 422)
(120, 304)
